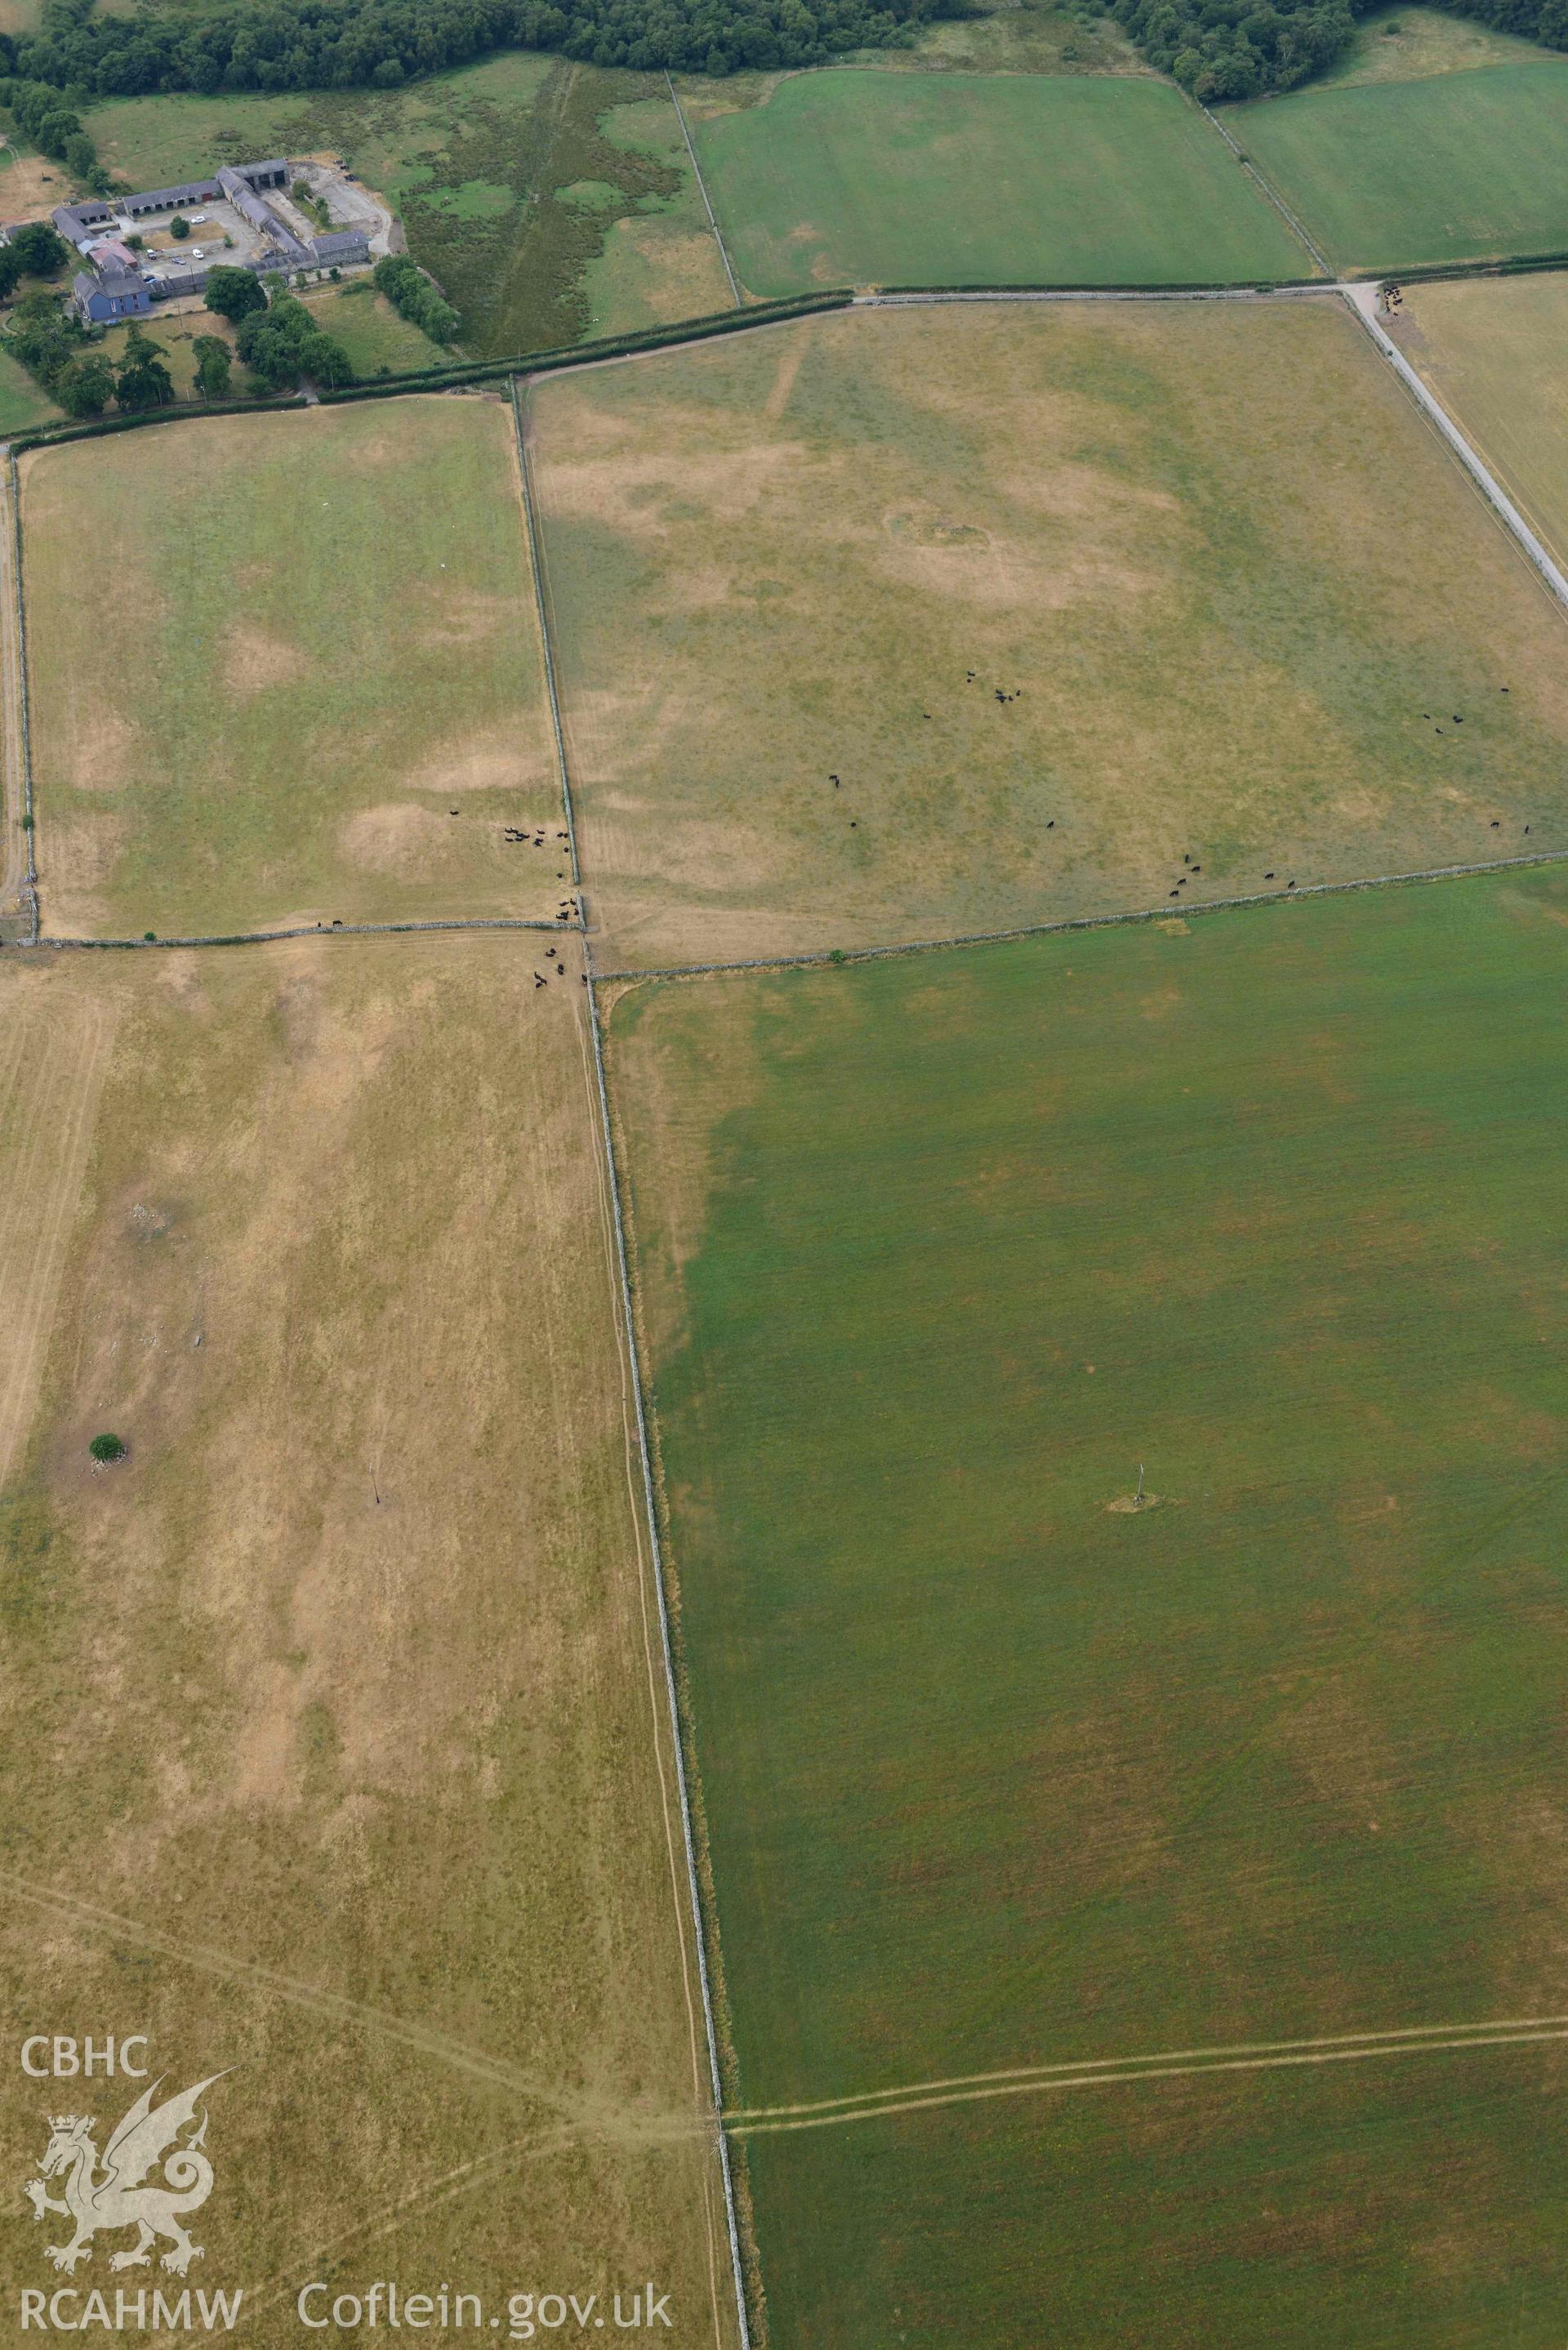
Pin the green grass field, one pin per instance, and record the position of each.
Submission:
(871, 178)
(23, 403)
(663, 261)
(322, 639)
(1237, 590)
(483, 165)
(1492, 350)
(932, 1254)
(1395, 175)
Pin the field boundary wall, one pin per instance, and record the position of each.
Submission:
(1167, 290)
(651, 1501)
(1267, 188)
(311, 931)
(702, 192)
(1185, 912)
(528, 363)
(23, 712)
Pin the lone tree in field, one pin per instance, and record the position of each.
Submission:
(234, 293)
(180, 228)
(106, 1449)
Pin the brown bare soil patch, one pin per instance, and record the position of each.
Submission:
(255, 659)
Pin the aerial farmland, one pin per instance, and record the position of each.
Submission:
(782, 1452)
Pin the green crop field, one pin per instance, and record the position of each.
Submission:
(872, 178)
(934, 1254)
(1236, 591)
(1395, 175)
(548, 199)
(320, 640)
(1492, 350)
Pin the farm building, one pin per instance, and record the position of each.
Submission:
(251, 233)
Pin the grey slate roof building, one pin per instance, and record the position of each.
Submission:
(105, 289)
(103, 299)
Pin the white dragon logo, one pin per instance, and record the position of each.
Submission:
(145, 2136)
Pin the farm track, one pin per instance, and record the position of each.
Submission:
(1103, 2072)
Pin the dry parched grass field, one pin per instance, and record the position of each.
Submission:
(1082, 605)
(1491, 349)
(270, 656)
(336, 1753)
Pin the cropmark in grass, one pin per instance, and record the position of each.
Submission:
(932, 1254)
(1397, 175)
(316, 638)
(1086, 606)
(871, 178)
(335, 1761)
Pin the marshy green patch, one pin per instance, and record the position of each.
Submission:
(487, 167)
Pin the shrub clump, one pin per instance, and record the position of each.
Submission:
(410, 293)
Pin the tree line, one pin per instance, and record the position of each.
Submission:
(42, 112)
(1216, 49)
(276, 339)
(300, 45)
(1249, 49)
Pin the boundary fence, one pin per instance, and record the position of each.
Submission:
(465, 371)
(1185, 912)
(23, 708)
(703, 190)
(678, 1725)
